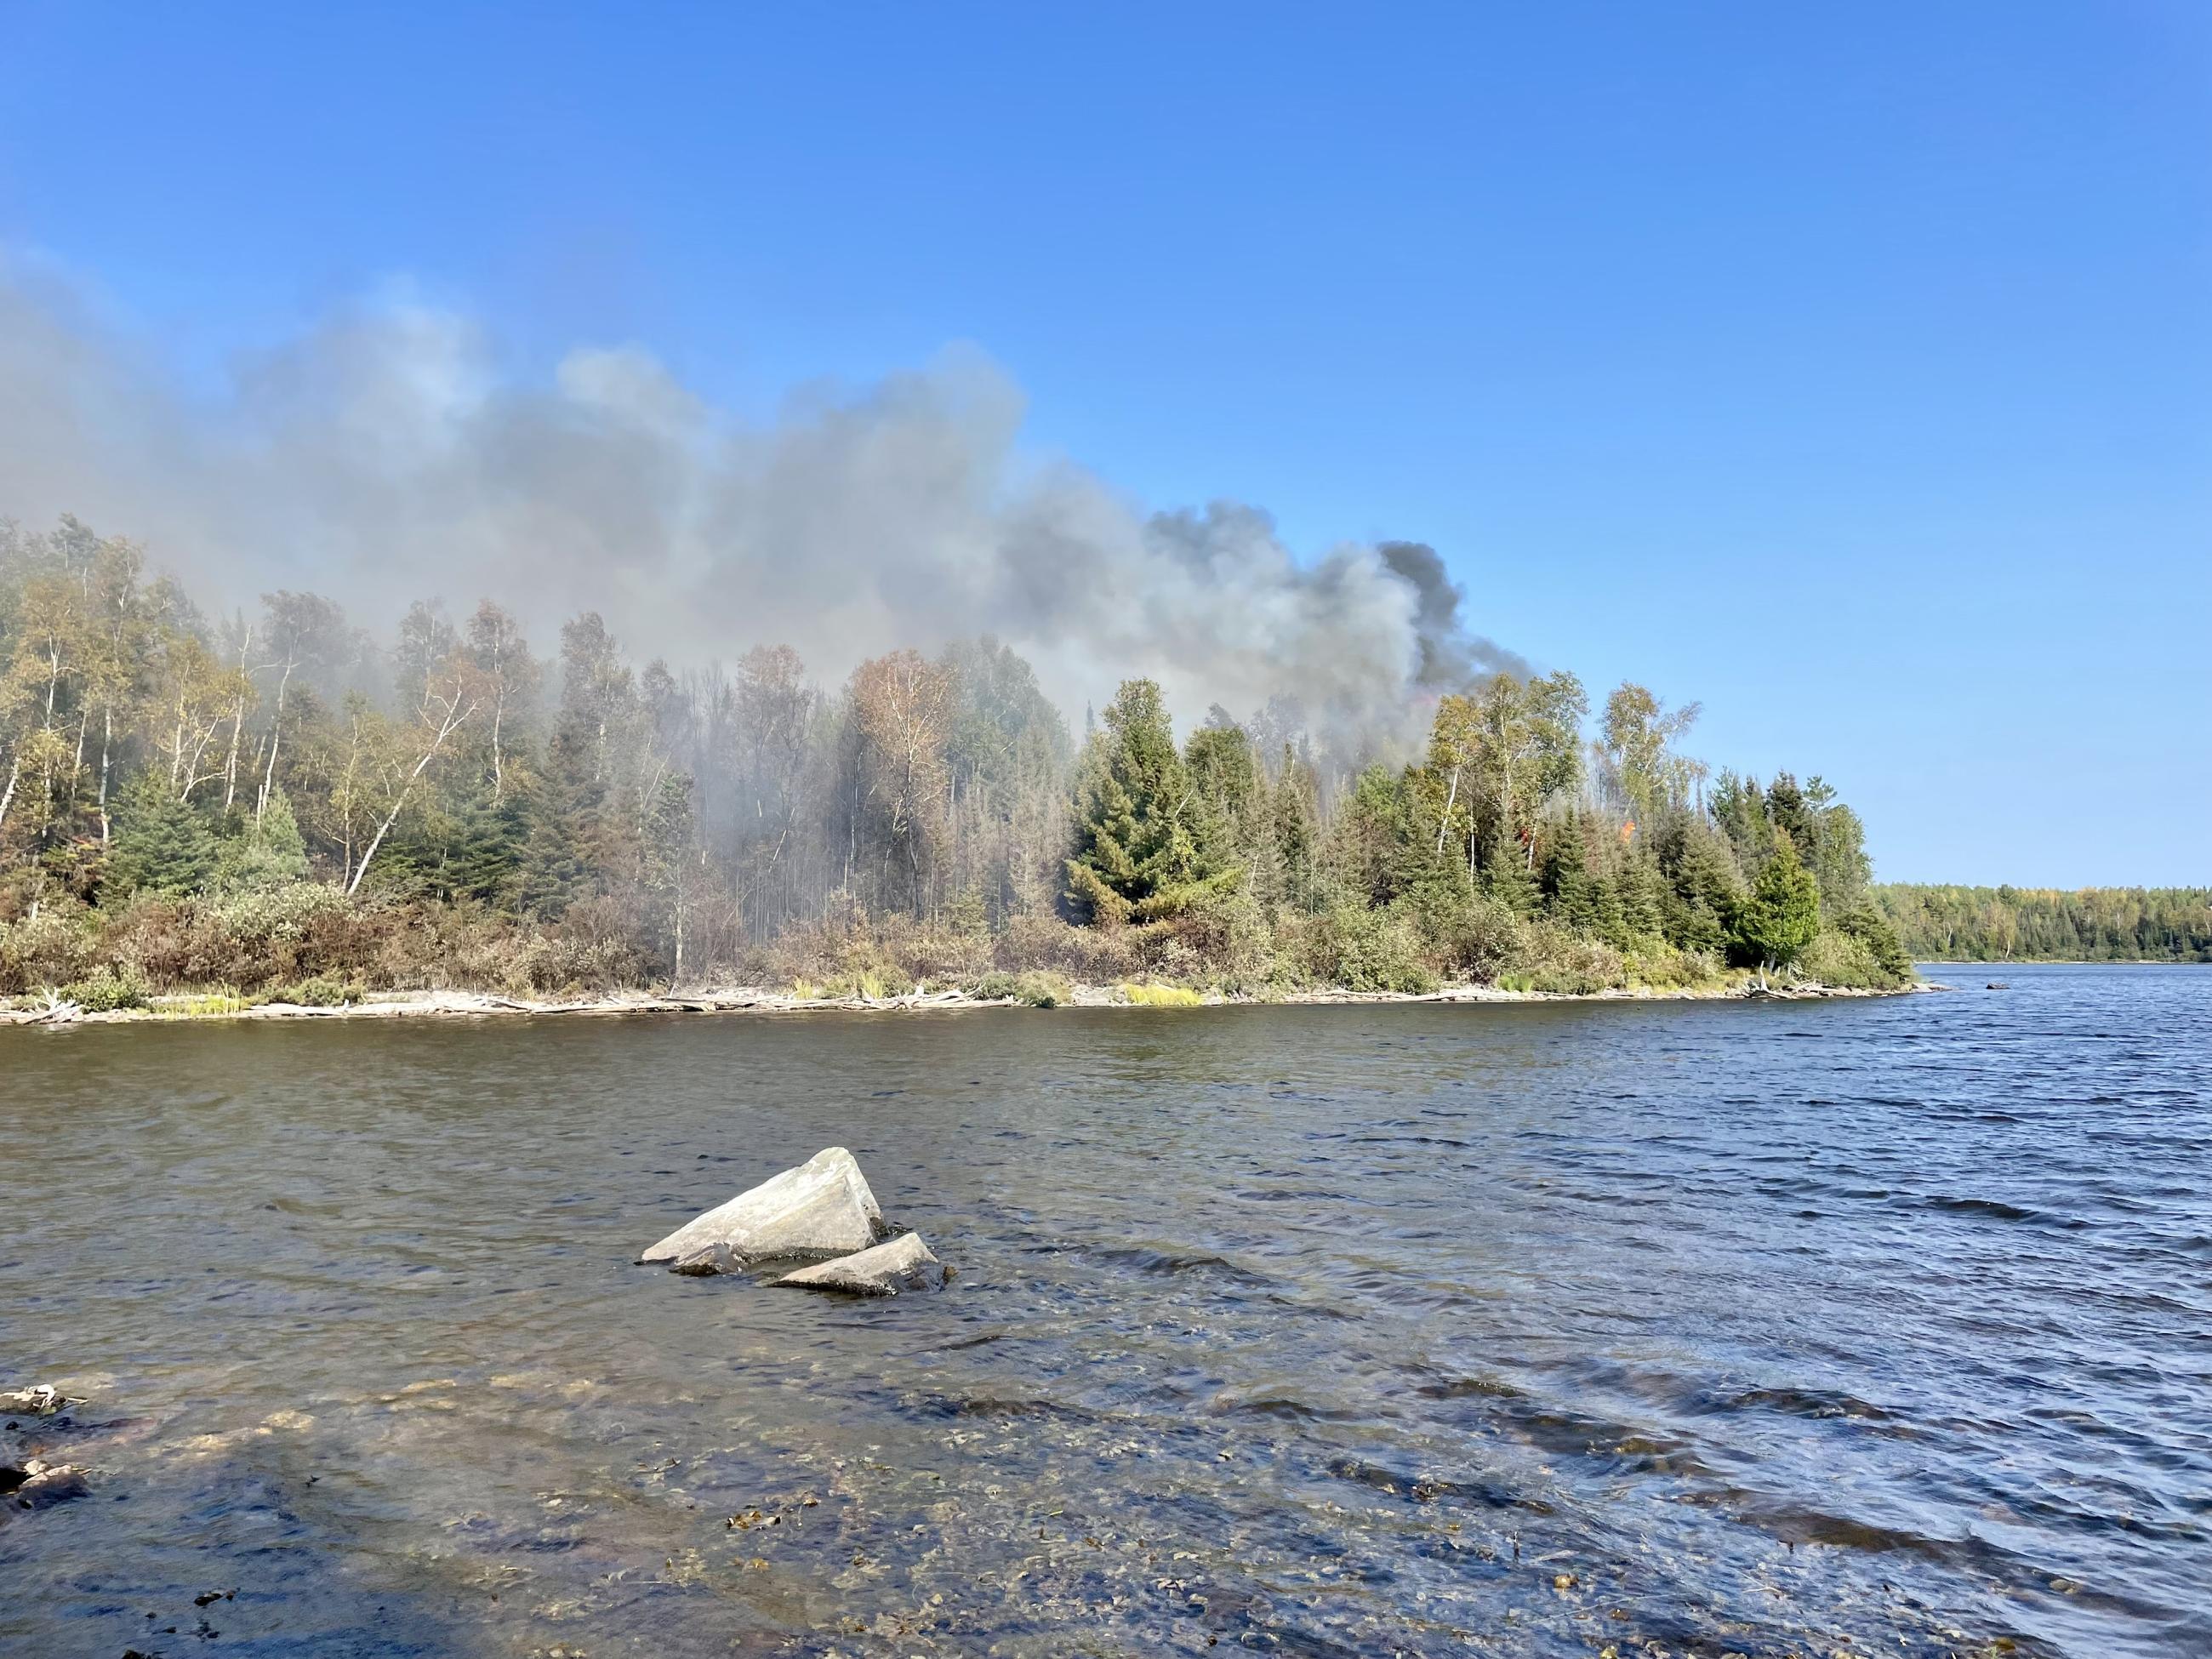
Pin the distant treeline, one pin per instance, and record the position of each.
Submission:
(2043, 924)
(276, 801)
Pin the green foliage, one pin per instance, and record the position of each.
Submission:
(1867, 929)
(486, 862)
(1037, 989)
(273, 854)
(1782, 915)
(106, 989)
(1364, 949)
(52, 948)
(2039, 924)
(1143, 850)
(1550, 958)
(161, 845)
(314, 993)
(923, 825)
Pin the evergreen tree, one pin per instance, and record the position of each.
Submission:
(1506, 875)
(1782, 915)
(163, 845)
(269, 853)
(1297, 829)
(555, 871)
(1137, 848)
(1642, 890)
(1872, 929)
(486, 863)
(1571, 894)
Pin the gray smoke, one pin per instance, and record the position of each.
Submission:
(384, 457)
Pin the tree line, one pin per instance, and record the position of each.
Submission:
(269, 799)
(2038, 924)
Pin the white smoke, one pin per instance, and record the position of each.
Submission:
(384, 457)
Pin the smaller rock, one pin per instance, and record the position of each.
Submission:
(45, 1483)
(716, 1258)
(40, 1401)
(904, 1264)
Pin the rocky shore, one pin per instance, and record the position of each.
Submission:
(407, 1005)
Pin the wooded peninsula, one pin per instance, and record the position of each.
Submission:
(2041, 923)
(272, 805)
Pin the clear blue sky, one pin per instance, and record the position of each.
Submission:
(1846, 367)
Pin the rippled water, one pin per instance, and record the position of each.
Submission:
(1512, 1330)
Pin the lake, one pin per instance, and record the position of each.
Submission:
(1523, 1328)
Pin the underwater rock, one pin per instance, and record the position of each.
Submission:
(904, 1264)
(822, 1208)
(39, 1483)
(716, 1258)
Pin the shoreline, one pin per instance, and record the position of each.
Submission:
(754, 1000)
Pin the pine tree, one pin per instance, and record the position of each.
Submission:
(1570, 894)
(554, 872)
(163, 845)
(1506, 875)
(1138, 852)
(1296, 831)
(271, 854)
(1782, 915)
(1872, 929)
(488, 850)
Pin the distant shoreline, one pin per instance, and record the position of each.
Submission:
(470, 1004)
(2063, 962)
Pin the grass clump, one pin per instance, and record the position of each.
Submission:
(208, 1004)
(318, 992)
(1037, 989)
(1161, 996)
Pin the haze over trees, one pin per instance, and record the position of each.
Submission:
(269, 800)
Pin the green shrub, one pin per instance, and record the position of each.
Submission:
(1467, 936)
(1037, 989)
(1873, 930)
(1551, 957)
(1846, 963)
(1367, 949)
(52, 948)
(105, 990)
(1652, 961)
(317, 992)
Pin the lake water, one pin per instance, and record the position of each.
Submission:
(1876, 1326)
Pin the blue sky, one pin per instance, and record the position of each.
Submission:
(1848, 369)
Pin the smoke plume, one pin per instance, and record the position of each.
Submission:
(384, 456)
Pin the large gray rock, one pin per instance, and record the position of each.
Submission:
(822, 1208)
(904, 1264)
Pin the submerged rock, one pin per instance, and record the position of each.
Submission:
(822, 1208)
(904, 1264)
(709, 1259)
(39, 1483)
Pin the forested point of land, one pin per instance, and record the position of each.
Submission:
(2042, 924)
(273, 803)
